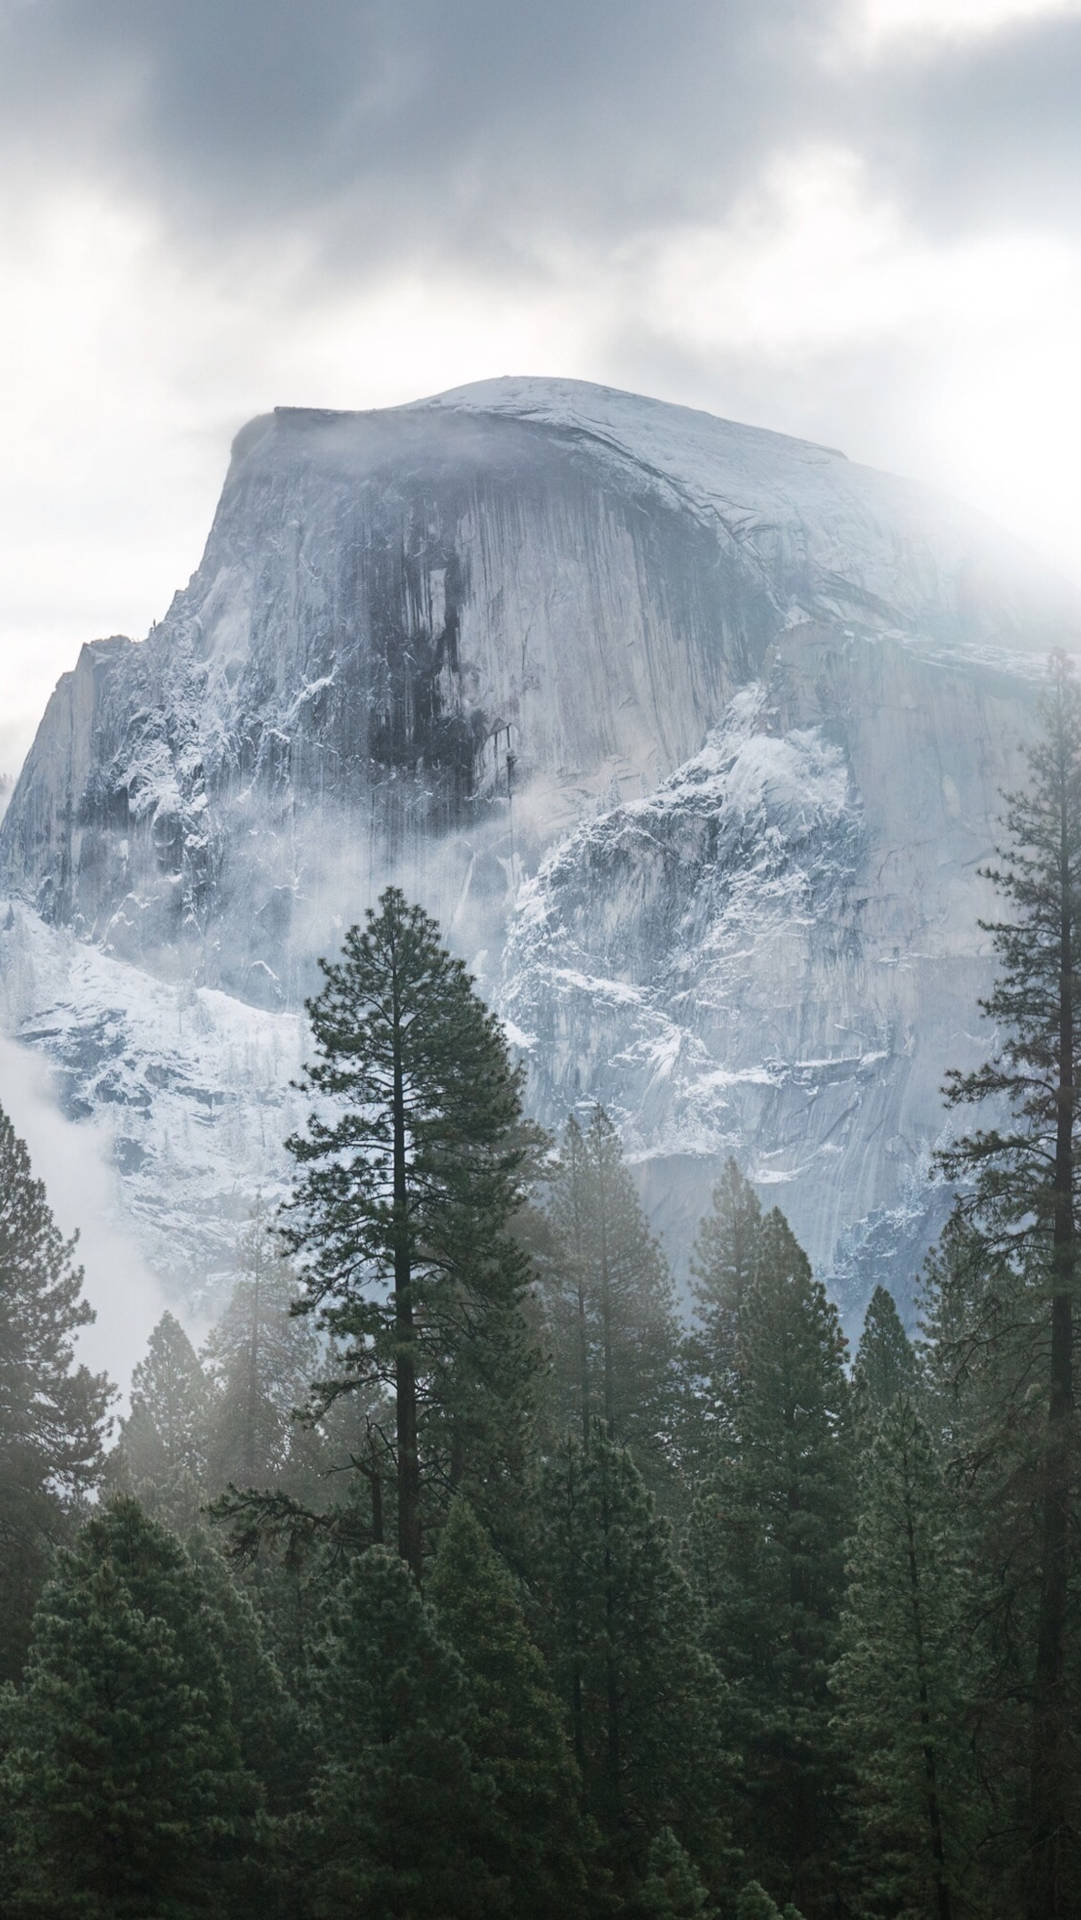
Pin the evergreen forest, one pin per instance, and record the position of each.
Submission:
(464, 1572)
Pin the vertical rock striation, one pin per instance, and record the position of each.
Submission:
(690, 734)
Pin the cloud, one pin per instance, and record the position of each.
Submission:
(368, 133)
(981, 132)
(807, 213)
(885, 22)
(369, 130)
(80, 1184)
(858, 220)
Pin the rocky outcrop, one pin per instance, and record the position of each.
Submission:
(690, 734)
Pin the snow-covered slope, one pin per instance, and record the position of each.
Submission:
(691, 734)
(190, 1087)
(824, 535)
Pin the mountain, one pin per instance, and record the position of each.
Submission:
(690, 734)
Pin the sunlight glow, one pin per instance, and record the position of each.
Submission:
(958, 19)
(813, 261)
(815, 307)
(815, 270)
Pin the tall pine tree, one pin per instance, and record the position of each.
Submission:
(401, 1808)
(1025, 1195)
(983, 1355)
(609, 1301)
(646, 1704)
(410, 1173)
(161, 1455)
(901, 1675)
(129, 1791)
(885, 1363)
(540, 1843)
(673, 1888)
(766, 1548)
(723, 1263)
(260, 1361)
(52, 1412)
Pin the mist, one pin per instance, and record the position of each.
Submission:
(83, 1191)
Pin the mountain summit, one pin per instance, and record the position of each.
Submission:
(691, 735)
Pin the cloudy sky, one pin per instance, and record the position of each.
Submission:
(858, 220)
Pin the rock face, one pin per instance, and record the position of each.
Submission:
(691, 735)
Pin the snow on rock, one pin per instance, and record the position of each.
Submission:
(825, 533)
(690, 734)
(192, 1087)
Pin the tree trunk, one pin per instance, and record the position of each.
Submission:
(583, 1359)
(606, 1315)
(250, 1470)
(583, 1322)
(1050, 1746)
(930, 1759)
(405, 1371)
(375, 1483)
(613, 1757)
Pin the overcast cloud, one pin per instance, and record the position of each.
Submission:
(495, 129)
(474, 126)
(857, 219)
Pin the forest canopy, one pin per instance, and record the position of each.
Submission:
(461, 1573)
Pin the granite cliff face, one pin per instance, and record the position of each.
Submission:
(691, 735)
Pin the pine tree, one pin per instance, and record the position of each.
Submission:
(9, 1733)
(540, 1843)
(409, 1176)
(400, 1807)
(983, 1352)
(723, 1263)
(52, 1413)
(755, 1903)
(767, 1533)
(161, 1455)
(673, 1888)
(260, 1361)
(273, 1741)
(1025, 1196)
(130, 1796)
(609, 1300)
(645, 1701)
(980, 1348)
(885, 1363)
(900, 1677)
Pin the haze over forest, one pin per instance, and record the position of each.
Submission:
(539, 999)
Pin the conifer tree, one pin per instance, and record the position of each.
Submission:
(645, 1701)
(980, 1350)
(410, 1173)
(52, 1412)
(1024, 1193)
(755, 1903)
(540, 1842)
(885, 1363)
(673, 1888)
(983, 1352)
(161, 1455)
(723, 1263)
(9, 1731)
(768, 1533)
(609, 1300)
(259, 1360)
(272, 1737)
(400, 1807)
(900, 1677)
(130, 1796)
